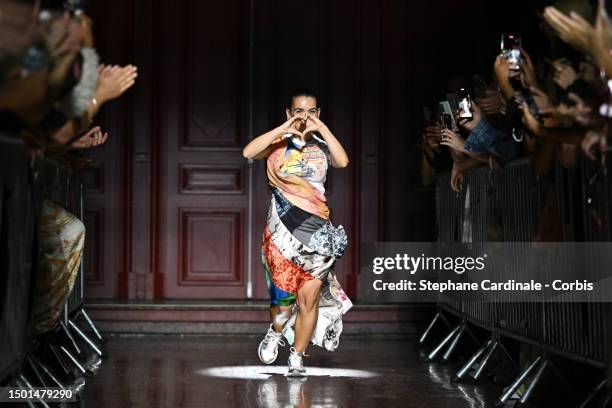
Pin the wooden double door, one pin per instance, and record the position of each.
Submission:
(174, 210)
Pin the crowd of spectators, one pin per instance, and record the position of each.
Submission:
(52, 85)
(550, 106)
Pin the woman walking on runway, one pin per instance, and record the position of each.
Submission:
(300, 244)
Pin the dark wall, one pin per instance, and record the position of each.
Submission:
(375, 64)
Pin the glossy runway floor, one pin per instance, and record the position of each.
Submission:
(173, 371)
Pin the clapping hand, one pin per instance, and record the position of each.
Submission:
(572, 29)
(114, 81)
(92, 138)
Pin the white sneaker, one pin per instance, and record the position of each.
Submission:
(296, 365)
(268, 348)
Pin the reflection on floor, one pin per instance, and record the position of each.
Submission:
(174, 371)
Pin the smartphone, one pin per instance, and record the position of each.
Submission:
(465, 103)
(511, 49)
(448, 119)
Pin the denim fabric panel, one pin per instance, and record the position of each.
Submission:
(486, 138)
(475, 141)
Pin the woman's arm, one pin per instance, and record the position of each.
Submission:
(259, 147)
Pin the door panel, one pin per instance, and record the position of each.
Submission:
(203, 201)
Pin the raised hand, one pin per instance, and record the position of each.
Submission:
(602, 36)
(572, 29)
(114, 81)
(92, 138)
(289, 127)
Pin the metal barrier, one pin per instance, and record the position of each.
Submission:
(516, 204)
(23, 187)
(64, 186)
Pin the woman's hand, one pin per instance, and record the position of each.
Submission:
(452, 140)
(114, 81)
(288, 127)
(93, 138)
(314, 124)
(572, 29)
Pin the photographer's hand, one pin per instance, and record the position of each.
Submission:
(502, 74)
(453, 140)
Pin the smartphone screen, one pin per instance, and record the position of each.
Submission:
(511, 49)
(465, 103)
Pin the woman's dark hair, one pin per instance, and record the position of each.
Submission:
(302, 92)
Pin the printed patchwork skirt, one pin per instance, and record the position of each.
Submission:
(297, 247)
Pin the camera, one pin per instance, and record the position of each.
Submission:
(511, 49)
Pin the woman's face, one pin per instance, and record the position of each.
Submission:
(302, 106)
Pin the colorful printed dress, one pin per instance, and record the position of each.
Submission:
(299, 241)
